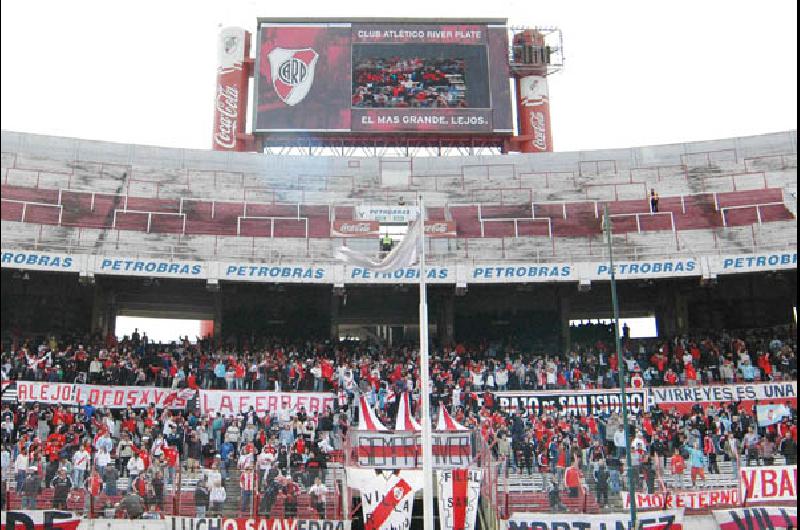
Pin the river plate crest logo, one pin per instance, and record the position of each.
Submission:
(292, 73)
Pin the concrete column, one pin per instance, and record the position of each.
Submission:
(447, 320)
(334, 330)
(564, 308)
(681, 313)
(99, 311)
(218, 315)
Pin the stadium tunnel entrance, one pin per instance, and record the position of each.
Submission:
(535, 315)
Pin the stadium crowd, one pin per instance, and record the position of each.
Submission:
(409, 82)
(280, 455)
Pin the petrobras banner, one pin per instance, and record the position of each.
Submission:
(162, 268)
(42, 260)
(768, 483)
(459, 493)
(39, 520)
(683, 398)
(258, 523)
(332, 272)
(766, 518)
(228, 402)
(433, 274)
(691, 500)
(112, 397)
(266, 272)
(564, 402)
(641, 270)
(732, 264)
(387, 497)
(387, 214)
(521, 273)
(661, 520)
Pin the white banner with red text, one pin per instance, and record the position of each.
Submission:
(662, 520)
(39, 520)
(690, 500)
(100, 396)
(682, 398)
(255, 523)
(239, 401)
(387, 497)
(761, 518)
(459, 493)
(403, 449)
(768, 483)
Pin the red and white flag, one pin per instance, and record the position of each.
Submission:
(405, 420)
(446, 421)
(387, 497)
(763, 518)
(367, 420)
(39, 520)
(459, 490)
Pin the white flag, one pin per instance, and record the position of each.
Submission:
(402, 255)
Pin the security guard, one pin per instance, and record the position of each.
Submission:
(386, 243)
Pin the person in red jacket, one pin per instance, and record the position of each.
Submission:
(573, 478)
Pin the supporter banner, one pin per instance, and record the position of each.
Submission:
(663, 520)
(403, 449)
(43, 261)
(112, 397)
(683, 397)
(459, 493)
(387, 497)
(752, 262)
(260, 523)
(239, 401)
(355, 229)
(766, 518)
(772, 414)
(768, 483)
(538, 402)
(690, 500)
(39, 520)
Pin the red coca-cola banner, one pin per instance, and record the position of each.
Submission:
(440, 229)
(230, 105)
(352, 228)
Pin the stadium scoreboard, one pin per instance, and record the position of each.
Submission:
(379, 76)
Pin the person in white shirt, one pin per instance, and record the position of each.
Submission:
(80, 464)
(21, 468)
(217, 498)
(102, 459)
(318, 492)
(135, 468)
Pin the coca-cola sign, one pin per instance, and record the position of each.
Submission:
(352, 228)
(227, 111)
(440, 229)
(231, 99)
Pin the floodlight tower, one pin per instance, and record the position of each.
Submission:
(535, 54)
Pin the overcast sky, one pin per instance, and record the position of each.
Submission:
(637, 72)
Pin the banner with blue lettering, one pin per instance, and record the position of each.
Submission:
(753, 262)
(641, 270)
(42, 260)
(656, 520)
(152, 267)
(279, 273)
(521, 273)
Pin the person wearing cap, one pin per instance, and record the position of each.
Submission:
(61, 485)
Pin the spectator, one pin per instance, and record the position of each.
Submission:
(246, 487)
(30, 490)
(697, 463)
(132, 504)
(61, 485)
(217, 498)
(201, 495)
(678, 468)
(318, 494)
(601, 484)
(110, 477)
